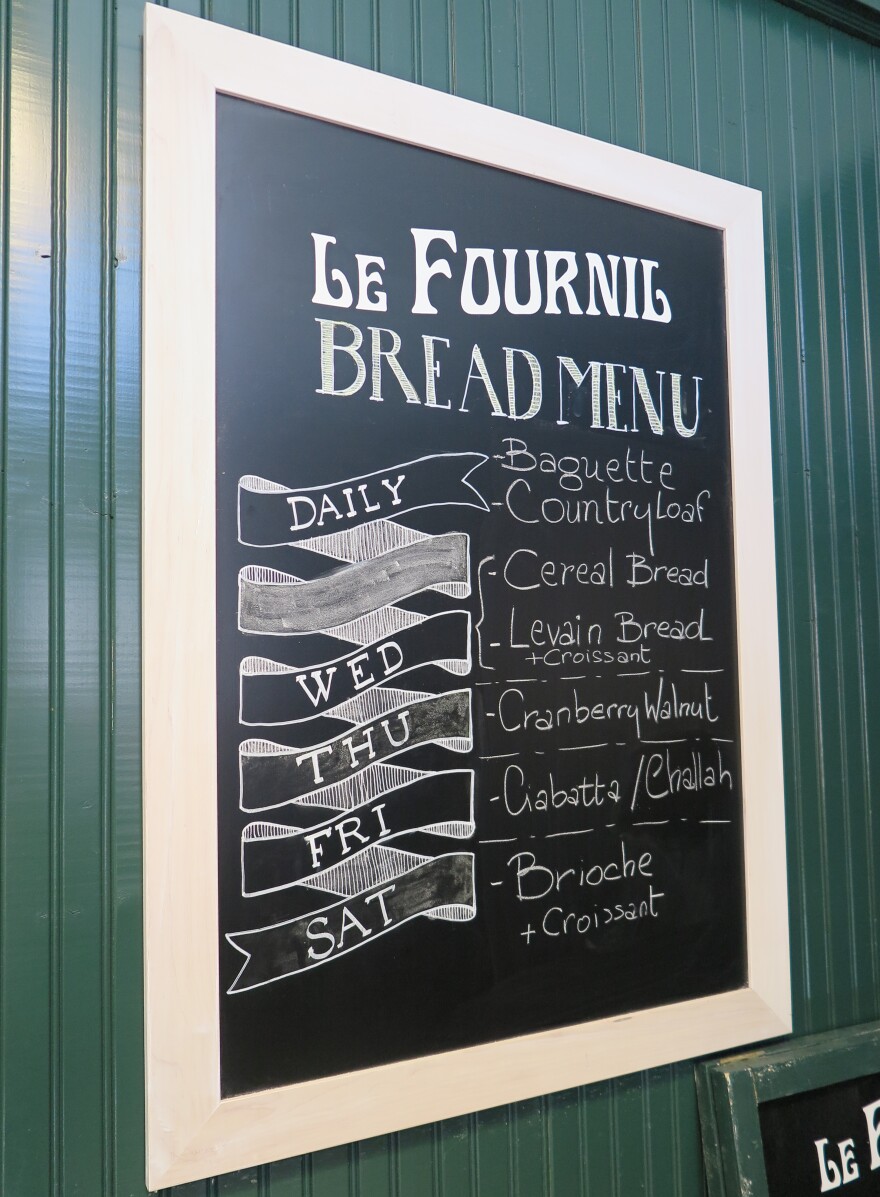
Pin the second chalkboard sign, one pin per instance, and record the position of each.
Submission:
(457, 494)
(798, 1118)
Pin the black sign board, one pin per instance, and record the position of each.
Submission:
(798, 1119)
(823, 1139)
(462, 754)
(478, 767)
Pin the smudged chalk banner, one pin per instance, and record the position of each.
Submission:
(441, 888)
(272, 774)
(278, 604)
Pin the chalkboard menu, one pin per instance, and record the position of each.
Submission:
(462, 770)
(477, 741)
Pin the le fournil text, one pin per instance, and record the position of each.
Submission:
(554, 277)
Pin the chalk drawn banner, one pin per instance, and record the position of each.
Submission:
(277, 855)
(440, 889)
(274, 774)
(274, 603)
(272, 514)
(274, 693)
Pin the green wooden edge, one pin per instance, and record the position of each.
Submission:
(742, 1154)
(709, 1132)
(730, 1090)
(861, 18)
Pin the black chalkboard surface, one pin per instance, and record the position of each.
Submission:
(477, 767)
(823, 1139)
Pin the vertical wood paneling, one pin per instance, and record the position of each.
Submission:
(432, 28)
(742, 88)
(356, 33)
(28, 1078)
(567, 78)
(470, 50)
(5, 689)
(78, 152)
(865, 332)
(503, 32)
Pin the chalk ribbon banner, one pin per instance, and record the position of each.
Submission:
(274, 603)
(276, 855)
(271, 514)
(269, 687)
(442, 888)
(273, 774)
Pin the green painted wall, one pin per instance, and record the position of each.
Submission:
(742, 88)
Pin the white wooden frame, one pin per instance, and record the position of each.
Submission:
(192, 1133)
